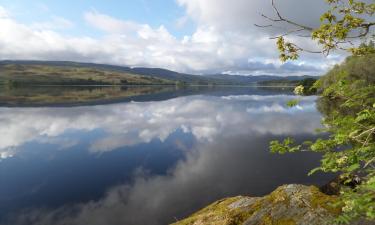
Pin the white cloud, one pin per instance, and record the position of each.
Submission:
(56, 23)
(240, 15)
(225, 40)
(109, 24)
(182, 21)
(4, 13)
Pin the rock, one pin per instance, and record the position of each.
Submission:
(334, 186)
(287, 205)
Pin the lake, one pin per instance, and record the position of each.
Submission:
(149, 159)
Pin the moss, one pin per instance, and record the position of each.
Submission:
(268, 220)
(279, 196)
(318, 199)
(240, 216)
(216, 213)
(219, 212)
(220, 206)
(287, 205)
(286, 221)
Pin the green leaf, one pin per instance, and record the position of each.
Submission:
(292, 103)
(314, 171)
(353, 167)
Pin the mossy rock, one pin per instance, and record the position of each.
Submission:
(287, 205)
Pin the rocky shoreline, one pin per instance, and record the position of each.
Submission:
(288, 205)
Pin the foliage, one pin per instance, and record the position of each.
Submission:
(282, 82)
(181, 84)
(347, 100)
(299, 90)
(305, 87)
(308, 86)
(292, 103)
(288, 50)
(349, 119)
(344, 20)
(358, 202)
(354, 69)
(340, 26)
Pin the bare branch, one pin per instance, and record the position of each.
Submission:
(280, 18)
(366, 27)
(286, 20)
(304, 36)
(262, 26)
(271, 19)
(287, 33)
(334, 42)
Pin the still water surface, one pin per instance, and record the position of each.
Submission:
(150, 161)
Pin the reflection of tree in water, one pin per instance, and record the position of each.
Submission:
(39, 95)
(329, 107)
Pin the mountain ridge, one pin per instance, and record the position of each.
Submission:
(163, 73)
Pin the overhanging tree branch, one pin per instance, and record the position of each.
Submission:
(339, 26)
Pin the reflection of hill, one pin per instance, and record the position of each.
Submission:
(92, 95)
(60, 95)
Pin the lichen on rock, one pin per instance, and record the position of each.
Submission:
(287, 205)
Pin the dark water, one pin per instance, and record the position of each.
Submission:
(150, 161)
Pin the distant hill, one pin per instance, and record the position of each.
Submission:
(150, 72)
(249, 79)
(142, 75)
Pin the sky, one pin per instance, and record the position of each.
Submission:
(189, 36)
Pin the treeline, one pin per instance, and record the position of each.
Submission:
(280, 82)
(307, 82)
(72, 82)
(356, 70)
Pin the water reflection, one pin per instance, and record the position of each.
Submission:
(146, 162)
(140, 122)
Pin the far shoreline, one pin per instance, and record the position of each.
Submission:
(88, 95)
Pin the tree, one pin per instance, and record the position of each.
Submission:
(340, 27)
(11, 84)
(180, 84)
(306, 87)
(347, 102)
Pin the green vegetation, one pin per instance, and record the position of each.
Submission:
(15, 75)
(181, 84)
(278, 83)
(33, 73)
(308, 86)
(345, 21)
(306, 82)
(347, 103)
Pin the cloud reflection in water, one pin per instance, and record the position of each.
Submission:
(229, 155)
